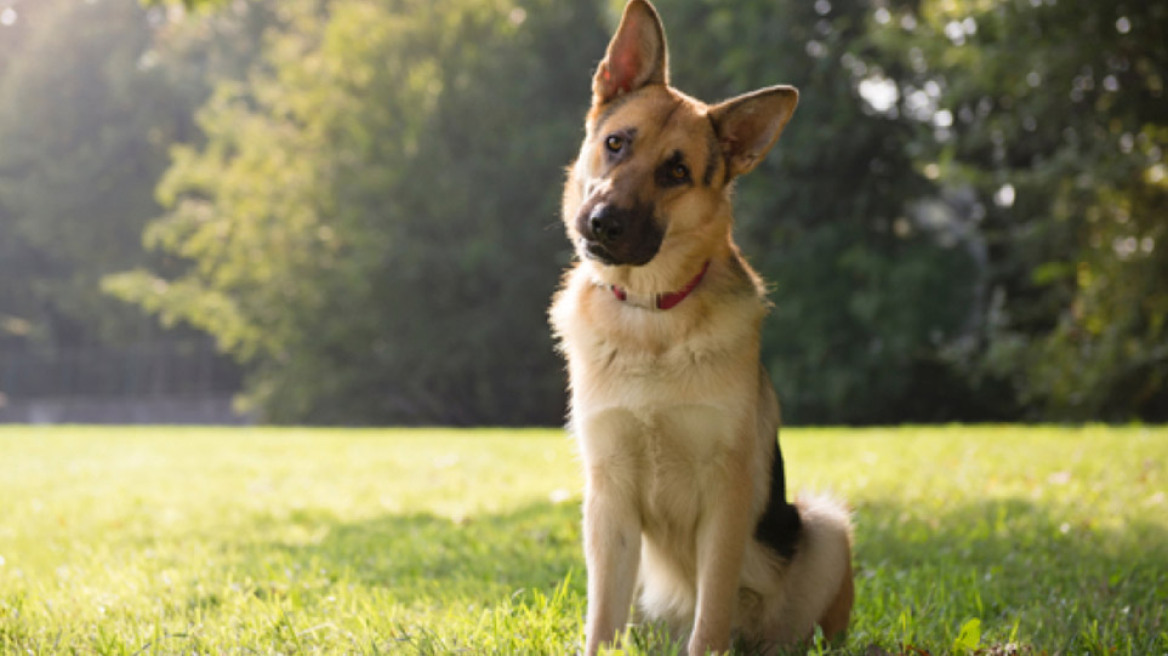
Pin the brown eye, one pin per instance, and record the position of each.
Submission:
(673, 172)
(614, 143)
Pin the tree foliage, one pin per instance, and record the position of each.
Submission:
(1062, 142)
(92, 95)
(372, 220)
(79, 154)
(965, 220)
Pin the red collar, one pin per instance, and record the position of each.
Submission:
(671, 299)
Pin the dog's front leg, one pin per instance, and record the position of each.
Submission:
(721, 542)
(612, 548)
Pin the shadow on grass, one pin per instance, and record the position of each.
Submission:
(1029, 572)
(423, 557)
(1043, 574)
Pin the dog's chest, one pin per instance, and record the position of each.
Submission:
(650, 361)
(662, 455)
(666, 417)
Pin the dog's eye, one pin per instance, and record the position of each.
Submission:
(673, 172)
(614, 143)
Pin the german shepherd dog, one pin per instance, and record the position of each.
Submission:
(676, 419)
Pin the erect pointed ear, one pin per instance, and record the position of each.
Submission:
(750, 124)
(636, 56)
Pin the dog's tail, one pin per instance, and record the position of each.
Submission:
(819, 586)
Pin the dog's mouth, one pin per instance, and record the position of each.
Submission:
(598, 252)
(594, 250)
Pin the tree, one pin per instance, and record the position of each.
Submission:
(84, 130)
(371, 222)
(964, 221)
(1054, 117)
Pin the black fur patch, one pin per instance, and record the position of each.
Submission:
(780, 525)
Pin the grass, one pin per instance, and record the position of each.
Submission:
(988, 540)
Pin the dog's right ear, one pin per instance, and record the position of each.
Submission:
(636, 56)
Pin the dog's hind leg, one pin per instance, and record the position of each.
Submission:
(835, 619)
(817, 585)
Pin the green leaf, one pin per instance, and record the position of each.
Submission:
(968, 638)
(1052, 272)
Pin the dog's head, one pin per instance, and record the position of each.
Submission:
(651, 183)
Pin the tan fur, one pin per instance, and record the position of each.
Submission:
(675, 418)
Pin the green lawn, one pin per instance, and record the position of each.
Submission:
(168, 540)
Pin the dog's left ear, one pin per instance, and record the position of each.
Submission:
(750, 124)
(636, 56)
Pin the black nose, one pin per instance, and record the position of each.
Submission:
(605, 223)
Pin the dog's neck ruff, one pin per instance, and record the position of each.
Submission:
(665, 301)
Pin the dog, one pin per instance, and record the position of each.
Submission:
(659, 320)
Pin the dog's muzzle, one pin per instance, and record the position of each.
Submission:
(616, 235)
